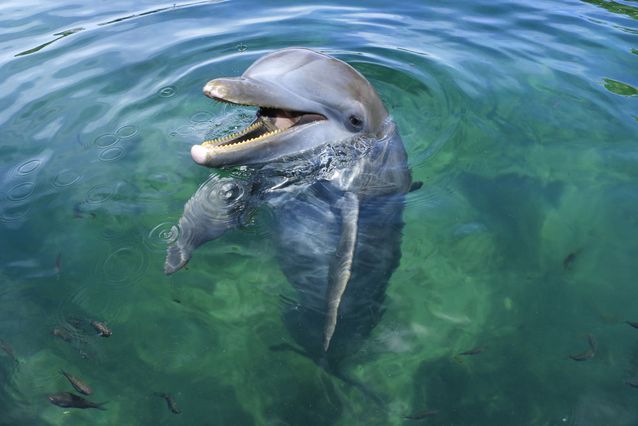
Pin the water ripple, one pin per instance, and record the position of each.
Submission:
(112, 153)
(14, 213)
(126, 131)
(21, 191)
(66, 178)
(201, 117)
(105, 140)
(161, 235)
(99, 194)
(29, 167)
(167, 92)
(125, 265)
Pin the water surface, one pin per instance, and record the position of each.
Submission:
(520, 118)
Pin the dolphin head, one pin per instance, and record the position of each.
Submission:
(305, 99)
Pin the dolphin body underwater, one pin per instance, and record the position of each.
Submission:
(324, 156)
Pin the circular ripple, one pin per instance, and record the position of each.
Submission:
(111, 154)
(201, 117)
(21, 191)
(28, 167)
(65, 178)
(126, 131)
(105, 140)
(12, 213)
(185, 130)
(99, 194)
(125, 264)
(162, 235)
(167, 92)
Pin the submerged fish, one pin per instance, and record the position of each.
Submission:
(71, 400)
(101, 328)
(421, 415)
(62, 334)
(6, 348)
(474, 351)
(632, 323)
(583, 356)
(632, 382)
(170, 402)
(588, 354)
(77, 383)
(569, 260)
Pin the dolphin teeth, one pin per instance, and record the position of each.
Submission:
(231, 136)
(263, 136)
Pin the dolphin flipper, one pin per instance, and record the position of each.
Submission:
(220, 204)
(341, 269)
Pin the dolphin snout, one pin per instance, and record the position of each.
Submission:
(215, 89)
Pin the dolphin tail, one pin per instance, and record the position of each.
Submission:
(365, 390)
(341, 269)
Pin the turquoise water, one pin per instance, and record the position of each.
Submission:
(520, 118)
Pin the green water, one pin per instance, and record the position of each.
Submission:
(520, 118)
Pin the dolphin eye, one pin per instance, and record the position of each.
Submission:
(355, 121)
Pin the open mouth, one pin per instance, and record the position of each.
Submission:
(268, 123)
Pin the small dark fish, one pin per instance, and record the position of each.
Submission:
(101, 328)
(588, 354)
(569, 260)
(177, 301)
(170, 402)
(79, 210)
(632, 323)
(6, 348)
(77, 384)
(416, 185)
(474, 351)
(421, 415)
(584, 356)
(632, 382)
(62, 334)
(71, 400)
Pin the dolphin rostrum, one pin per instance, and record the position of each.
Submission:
(323, 153)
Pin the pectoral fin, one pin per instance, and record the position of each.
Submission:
(219, 204)
(341, 268)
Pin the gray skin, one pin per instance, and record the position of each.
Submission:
(334, 173)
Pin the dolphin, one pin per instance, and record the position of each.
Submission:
(324, 155)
